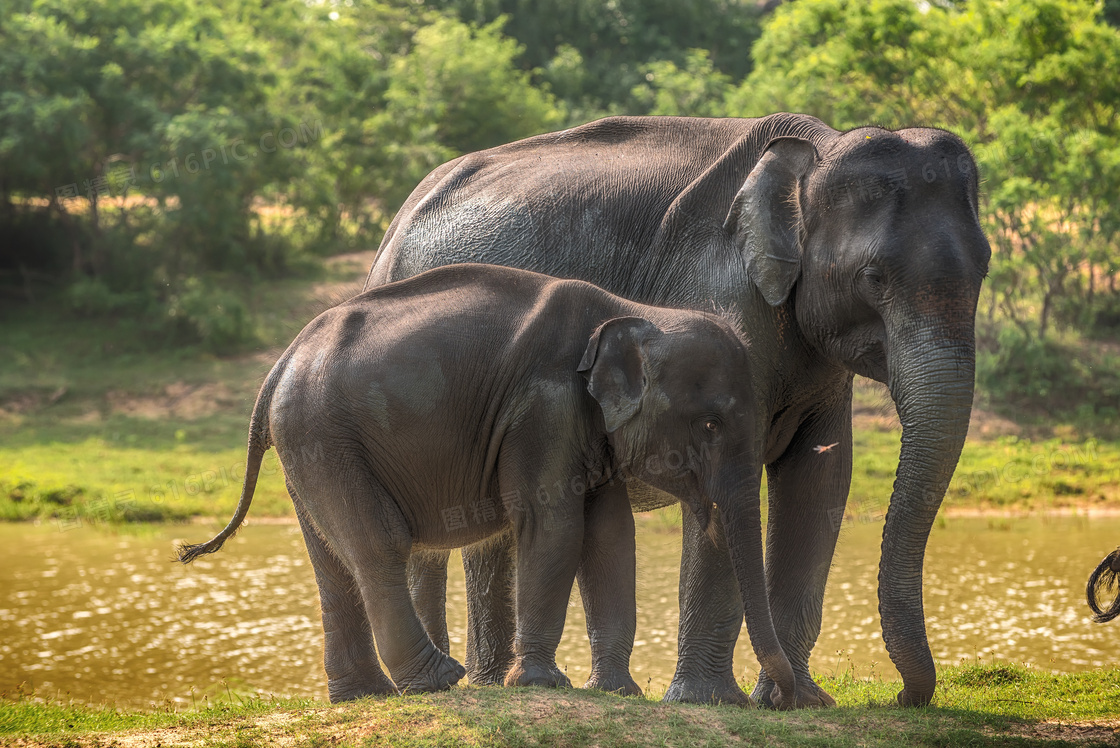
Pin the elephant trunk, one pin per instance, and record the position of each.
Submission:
(931, 382)
(739, 510)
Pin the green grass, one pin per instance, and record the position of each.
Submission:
(99, 422)
(1003, 472)
(122, 469)
(976, 705)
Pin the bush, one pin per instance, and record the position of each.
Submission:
(1047, 377)
(212, 316)
(92, 297)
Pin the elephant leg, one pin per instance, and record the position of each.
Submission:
(548, 550)
(711, 617)
(807, 493)
(372, 539)
(349, 655)
(547, 520)
(606, 584)
(427, 584)
(491, 623)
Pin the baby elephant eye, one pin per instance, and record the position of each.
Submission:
(711, 426)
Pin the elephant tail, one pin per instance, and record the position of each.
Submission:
(1105, 581)
(260, 440)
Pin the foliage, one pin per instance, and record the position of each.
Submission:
(848, 63)
(1000, 74)
(1021, 371)
(139, 126)
(593, 53)
(169, 146)
(697, 90)
(457, 90)
(158, 159)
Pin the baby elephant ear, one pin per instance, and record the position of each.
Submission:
(615, 364)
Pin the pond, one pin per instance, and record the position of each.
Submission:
(107, 617)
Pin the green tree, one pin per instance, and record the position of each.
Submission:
(457, 90)
(698, 90)
(849, 63)
(1034, 86)
(614, 40)
(140, 125)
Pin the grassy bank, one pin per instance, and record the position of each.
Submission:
(991, 705)
(101, 424)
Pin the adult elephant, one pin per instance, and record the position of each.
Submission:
(844, 253)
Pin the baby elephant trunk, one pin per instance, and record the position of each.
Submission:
(738, 503)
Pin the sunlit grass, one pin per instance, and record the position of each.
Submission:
(98, 422)
(96, 481)
(145, 470)
(982, 705)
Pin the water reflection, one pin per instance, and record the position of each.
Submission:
(109, 618)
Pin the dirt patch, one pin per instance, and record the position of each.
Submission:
(27, 401)
(169, 737)
(1100, 732)
(180, 400)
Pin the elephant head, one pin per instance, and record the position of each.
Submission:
(679, 415)
(873, 242)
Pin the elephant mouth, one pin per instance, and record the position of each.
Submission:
(871, 361)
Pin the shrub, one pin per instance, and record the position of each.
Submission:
(212, 316)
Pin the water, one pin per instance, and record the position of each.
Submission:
(110, 618)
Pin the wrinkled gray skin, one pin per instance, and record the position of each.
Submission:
(857, 252)
(475, 401)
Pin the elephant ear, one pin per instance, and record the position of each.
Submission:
(765, 219)
(615, 364)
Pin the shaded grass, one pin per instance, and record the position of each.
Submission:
(976, 705)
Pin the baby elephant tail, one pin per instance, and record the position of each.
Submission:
(1103, 582)
(259, 442)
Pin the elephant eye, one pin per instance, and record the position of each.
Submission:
(708, 427)
(873, 276)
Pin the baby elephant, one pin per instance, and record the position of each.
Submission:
(472, 400)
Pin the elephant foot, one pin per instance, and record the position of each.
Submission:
(348, 689)
(441, 674)
(489, 671)
(618, 682)
(532, 674)
(907, 697)
(809, 695)
(707, 691)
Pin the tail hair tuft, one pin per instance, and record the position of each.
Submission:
(188, 552)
